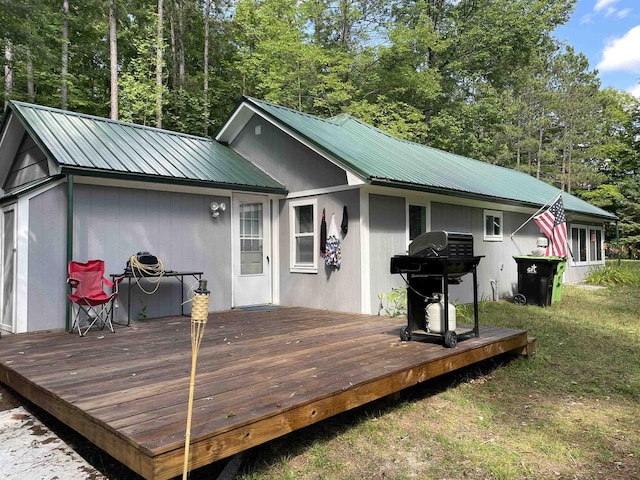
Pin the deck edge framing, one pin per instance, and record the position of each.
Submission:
(209, 449)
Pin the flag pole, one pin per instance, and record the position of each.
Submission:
(553, 200)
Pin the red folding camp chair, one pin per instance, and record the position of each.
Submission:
(91, 305)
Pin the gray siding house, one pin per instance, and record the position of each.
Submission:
(76, 187)
(81, 187)
(394, 190)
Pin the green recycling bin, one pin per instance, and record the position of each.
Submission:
(556, 292)
(539, 280)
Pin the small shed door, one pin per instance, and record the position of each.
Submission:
(251, 250)
(8, 271)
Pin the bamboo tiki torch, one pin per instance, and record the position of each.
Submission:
(199, 316)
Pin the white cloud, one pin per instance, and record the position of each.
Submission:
(588, 18)
(623, 13)
(635, 90)
(610, 12)
(602, 4)
(622, 53)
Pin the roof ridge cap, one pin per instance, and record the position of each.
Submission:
(297, 112)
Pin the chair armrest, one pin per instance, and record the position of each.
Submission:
(109, 283)
(74, 282)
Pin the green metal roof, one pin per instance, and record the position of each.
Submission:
(382, 159)
(84, 144)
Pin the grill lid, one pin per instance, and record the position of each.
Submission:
(442, 244)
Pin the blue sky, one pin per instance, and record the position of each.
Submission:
(608, 33)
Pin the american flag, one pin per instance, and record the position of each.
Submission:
(553, 223)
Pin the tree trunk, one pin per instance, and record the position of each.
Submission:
(159, 55)
(8, 71)
(180, 34)
(569, 161)
(207, 14)
(345, 28)
(174, 55)
(113, 56)
(64, 87)
(31, 91)
(180, 38)
(539, 152)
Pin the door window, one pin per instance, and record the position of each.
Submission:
(251, 239)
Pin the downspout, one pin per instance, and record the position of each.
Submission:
(69, 241)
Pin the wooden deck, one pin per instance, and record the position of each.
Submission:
(261, 374)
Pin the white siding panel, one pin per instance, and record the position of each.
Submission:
(387, 237)
(114, 223)
(47, 268)
(287, 160)
(328, 289)
(497, 269)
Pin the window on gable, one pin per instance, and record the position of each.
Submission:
(304, 236)
(492, 226)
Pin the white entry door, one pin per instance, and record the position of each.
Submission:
(8, 272)
(251, 250)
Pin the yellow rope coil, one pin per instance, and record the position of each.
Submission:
(144, 270)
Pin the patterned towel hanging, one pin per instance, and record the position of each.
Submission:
(333, 254)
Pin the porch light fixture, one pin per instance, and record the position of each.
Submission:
(216, 208)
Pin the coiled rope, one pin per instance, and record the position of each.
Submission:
(145, 270)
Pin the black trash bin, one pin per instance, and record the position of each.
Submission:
(536, 279)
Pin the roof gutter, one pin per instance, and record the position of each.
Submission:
(140, 177)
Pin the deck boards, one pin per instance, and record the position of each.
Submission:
(261, 374)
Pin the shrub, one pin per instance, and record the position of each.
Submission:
(611, 275)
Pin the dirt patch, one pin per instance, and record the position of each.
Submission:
(8, 399)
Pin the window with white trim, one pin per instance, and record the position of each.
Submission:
(587, 245)
(492, 226)
(303, 217)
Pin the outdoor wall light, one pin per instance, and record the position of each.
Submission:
(216, 208)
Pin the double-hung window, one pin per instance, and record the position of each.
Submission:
(304, 235)
(492, 226)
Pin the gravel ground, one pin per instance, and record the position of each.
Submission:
(104, 463)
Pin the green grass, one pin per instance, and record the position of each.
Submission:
(571, 411)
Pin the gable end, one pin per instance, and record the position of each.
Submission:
(30, 164)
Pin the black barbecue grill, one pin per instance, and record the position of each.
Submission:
(436, 260)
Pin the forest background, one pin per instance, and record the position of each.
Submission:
(485, 79)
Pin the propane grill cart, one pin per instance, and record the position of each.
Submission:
(436, 260)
